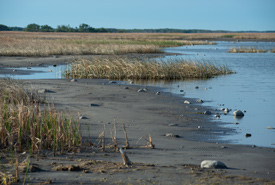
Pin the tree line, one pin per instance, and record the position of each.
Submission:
(85, 28)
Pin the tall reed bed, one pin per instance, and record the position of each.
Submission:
(26, 125)
(129, 68)
(247, 50)
(47, 44)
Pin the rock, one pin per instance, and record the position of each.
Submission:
(54, 65)
(196, 87)
(236, 123)
(83, 117)
(131, 82)
(173, 125)
(171, 135)
(248, 135)
(126, 87)
(157, 93)
(94, 105)
(50, 70)
(142, 90)
(187, 102)
(43, 91)
(207, 112)
(181, 90)
(226, 110)
(217, 116)
(238, 113)
(270, 127)
(73, 80)
(199, 101)
(212, 164)
(112, 82)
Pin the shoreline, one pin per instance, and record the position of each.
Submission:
(147, 113)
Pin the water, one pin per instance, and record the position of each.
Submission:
(252, 88)
(44, 72)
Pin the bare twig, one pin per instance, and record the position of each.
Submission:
(127, 146)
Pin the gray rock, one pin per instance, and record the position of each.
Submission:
(43, 91)
(238, 113)
(126, 87)
(171, 135)
(73, 80)
(82, 117)
(112, 82)
(248, 135)
(226, 110)
(157, 93)
(199, 101)
(207, 112)
(196, 87)
(173, 125)
(187, 102)
(142, 90)
(212, 164)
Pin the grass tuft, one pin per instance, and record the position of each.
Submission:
(25, 125)
(246, 50)
(126, 68)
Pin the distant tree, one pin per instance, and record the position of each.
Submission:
(83, 28)
(16, 28)
(46, 28)
(64, 28)
(32, 27)
(4, 27)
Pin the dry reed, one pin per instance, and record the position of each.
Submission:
(25, 125)
(246, 50)
(127, 68)
(48, 44)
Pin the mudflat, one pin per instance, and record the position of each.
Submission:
(192, 137)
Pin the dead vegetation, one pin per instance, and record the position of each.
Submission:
(152, 69)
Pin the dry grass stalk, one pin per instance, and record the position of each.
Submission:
(126, 68)
(24, 126)
(149, 143)
(125, 158)
(114, 137)
(127, 145)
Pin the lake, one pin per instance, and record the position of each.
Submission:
(252, 88)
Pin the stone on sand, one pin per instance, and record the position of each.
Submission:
(212, 164)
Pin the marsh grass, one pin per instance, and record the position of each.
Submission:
(48, 44)
(151, 69)
(26, 125)
(247, 50)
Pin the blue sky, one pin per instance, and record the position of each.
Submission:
(231, 15)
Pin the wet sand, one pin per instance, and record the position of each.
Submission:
(175, 160)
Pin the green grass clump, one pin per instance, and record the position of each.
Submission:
(127, 68)
(246, 50)
(25, 125)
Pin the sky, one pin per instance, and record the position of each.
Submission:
(231, 15)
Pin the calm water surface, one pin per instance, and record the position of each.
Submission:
(252, 88)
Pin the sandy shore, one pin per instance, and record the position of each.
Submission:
(175, 160)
